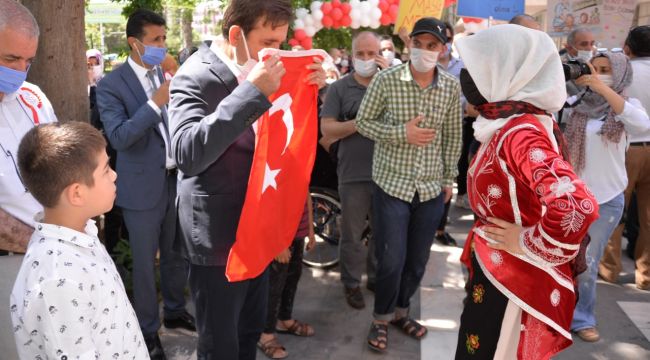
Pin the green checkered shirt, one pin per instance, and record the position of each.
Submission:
(399, 168)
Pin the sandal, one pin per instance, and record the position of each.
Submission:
(410, 327)
(379, 334)
(270, 347)
(297, 329)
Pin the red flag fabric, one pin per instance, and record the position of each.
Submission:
(284, 155)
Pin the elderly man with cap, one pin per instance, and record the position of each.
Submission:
(412, 112)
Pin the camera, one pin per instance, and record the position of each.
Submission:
(574, 69)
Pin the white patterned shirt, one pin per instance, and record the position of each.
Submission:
(68, 301)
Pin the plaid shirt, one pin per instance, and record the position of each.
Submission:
(399, 168)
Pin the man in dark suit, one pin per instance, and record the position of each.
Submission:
(216, 96)
(132, 102)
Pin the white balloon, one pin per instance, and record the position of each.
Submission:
(310, 31)
(308, 20)
(365, 21)
(301, 12)
(355, 15)
(375, 24)
(298, 24)
(354, 3)
(365, 7)
(355, 24)
(374, 3)
(315, 6)
(317, 16)
(376, 13)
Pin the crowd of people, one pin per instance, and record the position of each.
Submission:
(547, 164)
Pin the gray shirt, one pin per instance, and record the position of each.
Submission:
(355, 151)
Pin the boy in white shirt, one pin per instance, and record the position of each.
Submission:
(68, 301)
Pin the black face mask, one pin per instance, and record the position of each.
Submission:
(470, 91)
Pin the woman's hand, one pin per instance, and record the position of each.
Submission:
(506, 234)
(615, 100)
(283, 257)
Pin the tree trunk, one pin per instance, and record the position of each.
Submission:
(186, 27)
(60, 67)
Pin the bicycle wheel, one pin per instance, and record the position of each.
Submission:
(327, 214)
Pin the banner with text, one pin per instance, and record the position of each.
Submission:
(609, 20)
(412, 10)
(497, 9)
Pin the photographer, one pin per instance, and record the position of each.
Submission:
(597, 136)
(579, 48)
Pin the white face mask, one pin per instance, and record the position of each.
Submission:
(388, 55)
(606, 79)
(330, 81)
(98, 71)
(344, 63)
(585, 55)
(423, 60)
(248, 65)
(365, 68)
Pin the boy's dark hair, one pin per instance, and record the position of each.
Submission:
(141, 18)
(638, 40)
(246, 13)
(53, 156)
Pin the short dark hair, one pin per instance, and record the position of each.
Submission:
(638, 40)
(451, 30)
(518, 19)
(141, 18)
(245, 13)
(51, 157)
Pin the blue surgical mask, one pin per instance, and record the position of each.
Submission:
(11, 80)
(153, 55)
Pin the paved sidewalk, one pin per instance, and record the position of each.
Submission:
(341, 331)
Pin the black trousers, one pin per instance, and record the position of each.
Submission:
(229, 316)
(283, 283)
(463, 161)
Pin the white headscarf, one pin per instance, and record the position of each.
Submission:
(512, 62)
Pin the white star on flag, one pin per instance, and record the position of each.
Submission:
(269, 178)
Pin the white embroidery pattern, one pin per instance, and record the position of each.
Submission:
(496, 258)
(537, 155)
(494, 191)
(555, 297)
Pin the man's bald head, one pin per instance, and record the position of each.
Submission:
(17, 17)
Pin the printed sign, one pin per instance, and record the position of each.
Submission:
(497, 9)
(412, 10)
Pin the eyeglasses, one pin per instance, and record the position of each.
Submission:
(9, 155)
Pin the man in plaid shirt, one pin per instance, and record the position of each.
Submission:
(412, 112)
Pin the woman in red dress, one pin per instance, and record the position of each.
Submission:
(533, 211)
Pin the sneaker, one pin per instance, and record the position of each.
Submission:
(588, 334)
(462, 202)
(354, 297)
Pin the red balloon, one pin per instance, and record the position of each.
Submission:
(326, 8)
(327, 21)
(468, 20)
(395, 2)
(299, 34)
(385, 19)
(384, 5)
(337, 24)
(336, 14)
(346, 8)
(293, 42)
(393, 10)
(336, 3)
(346, 21)
(306, 43)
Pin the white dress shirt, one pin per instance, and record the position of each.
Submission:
(639, 89)
(19, 112)
(141, 73)
(604, 170)
(68, 301)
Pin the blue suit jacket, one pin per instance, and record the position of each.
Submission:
(210, 115)
(131, 126)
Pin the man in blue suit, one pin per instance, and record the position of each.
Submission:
(132, 102)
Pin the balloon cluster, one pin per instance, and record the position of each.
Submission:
(336, 14)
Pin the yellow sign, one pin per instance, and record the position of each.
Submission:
(412, 10)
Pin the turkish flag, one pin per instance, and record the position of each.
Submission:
(279, 181)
